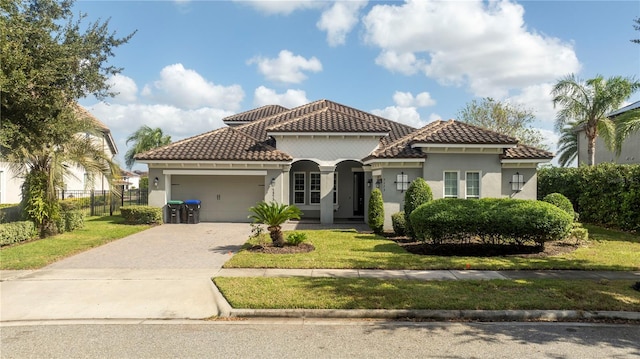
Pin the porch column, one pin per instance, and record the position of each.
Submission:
(326, 194)
(285, 184)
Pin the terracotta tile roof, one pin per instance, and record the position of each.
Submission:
(457, 132)
(224, 144)
(526, 152)
(255, 114)
(328, 120)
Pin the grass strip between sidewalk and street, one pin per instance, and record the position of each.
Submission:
(39, 253)
(339, 249)
(367, 293)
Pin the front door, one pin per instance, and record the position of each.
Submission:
(358, 193)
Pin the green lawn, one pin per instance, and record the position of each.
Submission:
(36, 254)
(606, 250)
(361, 293)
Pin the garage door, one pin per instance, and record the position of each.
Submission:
(224, 198)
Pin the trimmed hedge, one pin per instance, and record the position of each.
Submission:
(10, 213)
(141, 214)
(70, 221)
(561, 202)
(376, 212)
(606, 194)
(492, 220)
(399, 223)
(15, 232)
(417, 194)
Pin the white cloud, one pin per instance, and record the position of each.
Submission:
(282, 7)
(339, 20)
(406, 109)
(291, 98)
(484, 46)
(125, 88)
(537, 98)
(287, 67)
(406, 99)
(185, 88)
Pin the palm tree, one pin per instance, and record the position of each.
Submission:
(47, 167)
(274, 215)
(588, 103)
(144, 139)
(626, 124)
(568, 145)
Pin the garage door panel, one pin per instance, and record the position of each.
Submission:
(224, 198)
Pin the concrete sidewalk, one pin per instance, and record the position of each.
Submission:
(427, 274)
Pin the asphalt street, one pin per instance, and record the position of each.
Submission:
(304, 338)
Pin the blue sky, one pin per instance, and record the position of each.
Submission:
(193, 63)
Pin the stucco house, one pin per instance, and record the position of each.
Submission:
(326, 158)
(630, 153)
(11, 182)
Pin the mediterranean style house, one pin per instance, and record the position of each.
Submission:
(630, 153)
(326, 158)
(11, 182)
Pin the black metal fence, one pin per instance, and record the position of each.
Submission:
(103, 202)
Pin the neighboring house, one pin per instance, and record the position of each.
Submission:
(630, 153)
(130, 180)
(11, 182)
(326, 158)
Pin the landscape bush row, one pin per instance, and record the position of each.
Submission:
(141, 214)
(15, 232)
(490, 220)
(605, 194)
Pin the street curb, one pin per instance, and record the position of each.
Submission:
(224, 308)
(480, 315)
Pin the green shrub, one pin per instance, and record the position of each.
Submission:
(296, 238)
(417, 194)
(15, 232)
(10, 212)
(560, 201)
(376, 212)
(74, 204)
(399, 223)
(578, 233)
(606, 194)
(492, 220)
(141, 214)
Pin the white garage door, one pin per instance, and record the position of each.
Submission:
(224, 198)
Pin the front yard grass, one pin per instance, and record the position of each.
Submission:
(366, 293)
(606, 250)
(39, 253)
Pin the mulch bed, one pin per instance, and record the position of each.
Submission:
(287, 249)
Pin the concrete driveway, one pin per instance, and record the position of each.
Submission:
(164, 272)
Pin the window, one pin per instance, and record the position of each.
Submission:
(451, 185)
(402, 182)
(473, 184)
(298, 188)
(335, 188)
(314, 188)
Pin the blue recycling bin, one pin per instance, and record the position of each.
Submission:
(192, 206)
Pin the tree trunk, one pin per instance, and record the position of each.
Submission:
(591, 148)
(275, 232)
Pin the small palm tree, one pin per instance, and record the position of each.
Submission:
(144, 139)
(274, 215)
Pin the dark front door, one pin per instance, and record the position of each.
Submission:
(358, 193)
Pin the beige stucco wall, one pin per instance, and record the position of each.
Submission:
(489, 167)
(392, 197)
(529, 190)
(630, 150)
(327, 149)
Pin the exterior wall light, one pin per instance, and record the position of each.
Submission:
(369, 182)
(156, 181)
(378, 182)
(517, 182)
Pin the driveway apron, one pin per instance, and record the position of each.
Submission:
(161, 273)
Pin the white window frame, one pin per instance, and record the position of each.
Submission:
(444, 184)
(335, 187)
(466, 184)
(312, 188)
(304, 187)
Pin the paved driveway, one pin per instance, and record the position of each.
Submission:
(164, 272)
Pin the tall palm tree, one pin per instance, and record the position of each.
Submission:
(626, 124)
(568, 144)
(47, 167)
(144, 139)
(588, 103)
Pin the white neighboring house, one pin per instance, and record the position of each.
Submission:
(11, 183)
(326, 158)
(130, 180)
(630, 146)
